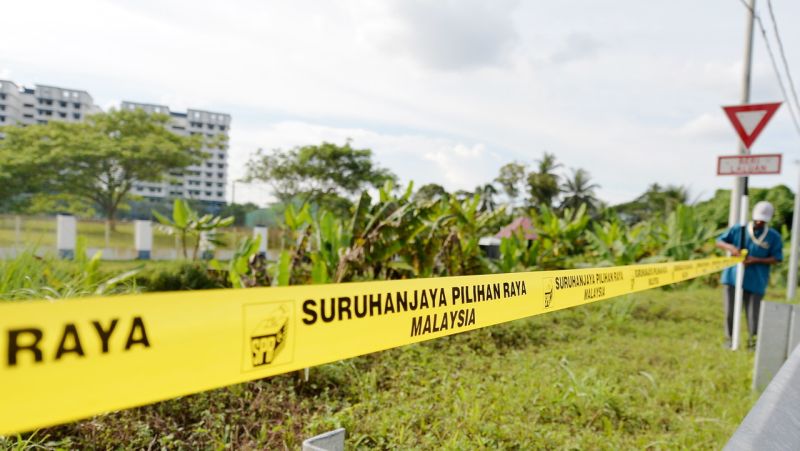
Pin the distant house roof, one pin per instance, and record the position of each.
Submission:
(522, 223)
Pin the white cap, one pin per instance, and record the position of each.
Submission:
(763, 211)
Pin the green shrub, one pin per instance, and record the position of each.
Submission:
(178, 276)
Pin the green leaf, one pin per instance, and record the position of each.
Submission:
(181, 213)
(402, 266)
(319, 270)
(161, 219)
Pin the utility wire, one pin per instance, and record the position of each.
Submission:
(774, 65)
(783, 54)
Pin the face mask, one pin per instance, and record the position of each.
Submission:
(758, 240)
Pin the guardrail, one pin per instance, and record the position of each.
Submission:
(774, 422)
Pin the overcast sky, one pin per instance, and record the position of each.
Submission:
(442, 91)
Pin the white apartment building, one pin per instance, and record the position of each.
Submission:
(206, 181)
(20, 105)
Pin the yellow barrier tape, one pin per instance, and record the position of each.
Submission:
(70, 359)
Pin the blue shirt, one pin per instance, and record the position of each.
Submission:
(756, 276)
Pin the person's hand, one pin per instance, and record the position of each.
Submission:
(734, 251)
(749, 261)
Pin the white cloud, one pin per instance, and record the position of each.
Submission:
(443, 91)
(447, 35)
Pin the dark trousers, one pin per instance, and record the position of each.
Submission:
(751, 304)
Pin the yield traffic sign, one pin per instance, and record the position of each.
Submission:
(749, 120)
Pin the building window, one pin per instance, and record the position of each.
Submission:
(210, 126)
(2, 118)
(41, 121)
(209, 165)
(76, 115)
(74, 95)
(62, 115)
(27, 116)
(222, 128)
(2, 96)
(2, 107)
(62, 104)
(221, 175)
(220, 185)
(77, 105)
(208, 184)
(220, 194)
(221, 165)
(65, 93)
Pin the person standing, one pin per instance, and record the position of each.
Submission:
(764, 248)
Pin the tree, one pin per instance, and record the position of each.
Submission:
(510, 178)
(579, 190)
(543, 184)
(316, 174)
(486, 194)
(429, 192)
(656, 201)
(97, 160)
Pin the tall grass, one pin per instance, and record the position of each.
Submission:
(29, 276)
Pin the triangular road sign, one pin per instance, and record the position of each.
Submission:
(749, 120)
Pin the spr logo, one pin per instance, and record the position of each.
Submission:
(548, 290)
(267, 335)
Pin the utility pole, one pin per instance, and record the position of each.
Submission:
(739, 182)
(739, 204)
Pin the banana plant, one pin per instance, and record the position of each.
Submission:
(560, 238)
(613, 244)
(685, 234)
(188, 225)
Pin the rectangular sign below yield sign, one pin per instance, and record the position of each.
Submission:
(742, 165)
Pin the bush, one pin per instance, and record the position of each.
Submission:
(178, 276)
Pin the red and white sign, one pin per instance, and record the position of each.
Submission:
(742, 165)
(749, 120)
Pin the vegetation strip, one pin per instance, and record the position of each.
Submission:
(75, 358)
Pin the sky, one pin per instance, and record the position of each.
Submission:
(442, 91)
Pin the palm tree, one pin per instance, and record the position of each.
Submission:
(543, 184)
(579, 190)
(487, 193)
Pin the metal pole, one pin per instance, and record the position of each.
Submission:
(748, 62)
(739, 290)
(791, 285)
(739, 194)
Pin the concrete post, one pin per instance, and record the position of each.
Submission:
(773, 339)
(329, 441)
(143, 239)
(66, 236)
(261, 232)
(206, 248)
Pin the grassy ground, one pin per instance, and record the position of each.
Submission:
(41, 232)
(642, 371)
